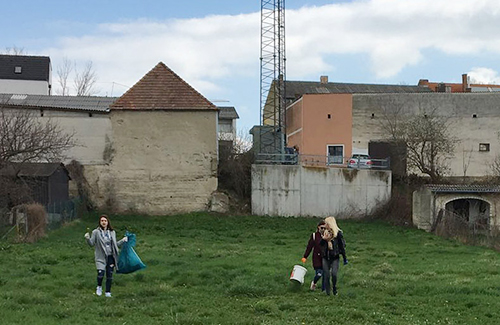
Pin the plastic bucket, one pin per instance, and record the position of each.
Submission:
(298, 273)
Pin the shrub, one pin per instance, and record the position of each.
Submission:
(37, 221)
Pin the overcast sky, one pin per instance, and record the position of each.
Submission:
(214, 44)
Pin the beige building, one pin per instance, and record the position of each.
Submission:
(334, 120)
(153, 150)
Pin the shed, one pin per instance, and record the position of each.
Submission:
(48, 182)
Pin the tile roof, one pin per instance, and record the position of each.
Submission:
(80, 103)
(295, 89)
(32, 67)
(31, 169)
(453, 188)
(162, 89)
(227, 113)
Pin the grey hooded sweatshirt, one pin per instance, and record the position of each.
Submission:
(100, 255)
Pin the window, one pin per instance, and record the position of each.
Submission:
(329, 116)
(18, 69)
(474, 115)
(335, 154)
(484, 147)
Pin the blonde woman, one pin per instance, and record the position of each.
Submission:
(332, 245)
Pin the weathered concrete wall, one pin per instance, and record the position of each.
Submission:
(460, 108)
(162, 162)
(311, 191)
(423, 209)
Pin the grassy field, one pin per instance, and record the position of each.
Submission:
(208, 269)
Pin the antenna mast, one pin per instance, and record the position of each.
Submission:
(272, 77)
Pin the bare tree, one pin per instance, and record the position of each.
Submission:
(63, 73)
(24, 138)
(429, 143)
(425, 134)
(85, 80)
(14, 50)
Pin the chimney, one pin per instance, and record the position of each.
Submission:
(465, 82)
(323, 79)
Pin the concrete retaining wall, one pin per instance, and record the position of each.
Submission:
(312, 191)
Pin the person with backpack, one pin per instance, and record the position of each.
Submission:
(314, 246)
(103, 238)
(332, 246)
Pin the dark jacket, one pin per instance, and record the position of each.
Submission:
(338, 248)
(314, 245)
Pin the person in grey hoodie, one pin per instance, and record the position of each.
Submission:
(103, 238)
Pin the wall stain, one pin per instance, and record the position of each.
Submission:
(349, 174)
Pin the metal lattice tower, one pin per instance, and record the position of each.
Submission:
(272, 77)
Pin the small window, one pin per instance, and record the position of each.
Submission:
(329, 116)
(41, 112)
(18, 69)
(484, 147)
(90, 114)
(474, 115)
(373, 115)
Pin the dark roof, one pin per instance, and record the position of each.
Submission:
(444, 188)
(162, 89)
(32, 67)
(81, 103)
(31, 169)
(295, 89)
(227, 113)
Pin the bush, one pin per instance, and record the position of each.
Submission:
(37, 221)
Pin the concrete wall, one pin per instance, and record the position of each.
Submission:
(25, 87)
(310, 191)
(162, 162)
(460, 108)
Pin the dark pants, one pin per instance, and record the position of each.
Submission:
(110, 266)
(330, 269)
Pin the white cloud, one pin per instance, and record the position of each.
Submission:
(393, 33)
(480, 75)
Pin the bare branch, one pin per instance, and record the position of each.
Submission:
(63, 73)
(14, 50)
(24, 138)
(85, 80)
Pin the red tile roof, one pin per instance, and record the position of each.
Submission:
(162, 89)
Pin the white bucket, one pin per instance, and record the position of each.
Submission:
(298, 273)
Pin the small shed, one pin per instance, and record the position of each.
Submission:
(48, 182)
(476, 205)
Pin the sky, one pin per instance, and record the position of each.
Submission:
(214, 44)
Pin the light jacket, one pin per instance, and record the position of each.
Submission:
(100, 253)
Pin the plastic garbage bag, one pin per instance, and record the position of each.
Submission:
(129, 261)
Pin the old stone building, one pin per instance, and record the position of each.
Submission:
(153, 150)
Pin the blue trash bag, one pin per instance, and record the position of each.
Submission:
(129, 261)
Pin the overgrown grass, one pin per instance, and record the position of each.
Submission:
(208, 269)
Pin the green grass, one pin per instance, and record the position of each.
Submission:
(208, 269)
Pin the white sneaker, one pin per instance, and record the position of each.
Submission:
(107, 294)
(313, 286)
(98, 291)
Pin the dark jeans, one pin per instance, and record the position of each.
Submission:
(110, 266)
(317, 276)
(330, 269)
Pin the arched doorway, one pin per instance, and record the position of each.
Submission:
(474, 212)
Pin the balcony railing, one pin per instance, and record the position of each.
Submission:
(319, 161)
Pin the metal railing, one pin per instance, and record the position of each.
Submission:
(319, 161)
